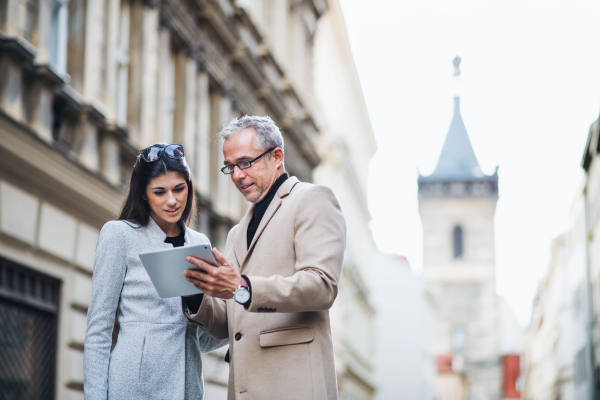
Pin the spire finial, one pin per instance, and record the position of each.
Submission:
(456, 63)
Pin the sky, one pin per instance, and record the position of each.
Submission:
(530, 88)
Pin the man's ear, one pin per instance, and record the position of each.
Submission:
(278, 154)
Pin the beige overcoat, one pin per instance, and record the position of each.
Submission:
(281, 346)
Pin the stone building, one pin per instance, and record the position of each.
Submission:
(346, 145)
(555, 334)
(562, 340)
(381, 321)
(587, 228)
(85, 84)
(584, 263)
(457, 204)
(405, 365)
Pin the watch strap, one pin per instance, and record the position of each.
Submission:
(247, 280)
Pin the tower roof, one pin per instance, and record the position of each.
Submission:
(457, 160)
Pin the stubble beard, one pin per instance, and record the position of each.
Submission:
(257, 196)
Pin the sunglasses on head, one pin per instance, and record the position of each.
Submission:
(153, 153)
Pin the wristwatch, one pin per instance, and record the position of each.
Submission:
(242, 293)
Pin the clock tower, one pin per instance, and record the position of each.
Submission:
(457, 204)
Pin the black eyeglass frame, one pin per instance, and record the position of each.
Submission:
(232, 166)
(162, 150)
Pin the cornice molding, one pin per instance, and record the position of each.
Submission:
(215, 41)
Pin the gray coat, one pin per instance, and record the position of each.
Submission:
(157, 355)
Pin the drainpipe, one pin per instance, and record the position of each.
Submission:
(593, 395)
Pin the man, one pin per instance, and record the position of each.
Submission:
(290, 248)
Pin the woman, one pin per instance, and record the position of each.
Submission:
(157, 355)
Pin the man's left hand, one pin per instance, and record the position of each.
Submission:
(218, 282)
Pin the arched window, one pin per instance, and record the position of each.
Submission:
(457, 236)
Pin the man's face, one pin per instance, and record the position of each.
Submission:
(254, 182)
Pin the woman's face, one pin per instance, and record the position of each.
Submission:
(167, 198)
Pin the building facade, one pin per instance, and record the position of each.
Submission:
(405, 365)
(587, 228)
(562, 340)
(457, 204)
(551, 338)
(346, 145)
(85, 84)
(382, 323)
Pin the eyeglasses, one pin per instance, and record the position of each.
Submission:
(228, 169)
(153, 153)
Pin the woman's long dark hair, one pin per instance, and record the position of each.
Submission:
(135, 208)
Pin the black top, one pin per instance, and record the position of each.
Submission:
(176, 241)
(261, 207)
(193, 302)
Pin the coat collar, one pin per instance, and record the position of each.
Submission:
(156, 233)
(240, 241)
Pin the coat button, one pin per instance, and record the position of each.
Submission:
(238, 336)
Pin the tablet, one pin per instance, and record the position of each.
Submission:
(165, 268)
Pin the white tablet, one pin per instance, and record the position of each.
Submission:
(165, 268)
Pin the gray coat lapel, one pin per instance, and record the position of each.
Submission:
(156, 234)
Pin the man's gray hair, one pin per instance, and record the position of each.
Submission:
(268, 134)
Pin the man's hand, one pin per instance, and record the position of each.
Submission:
(218, 282)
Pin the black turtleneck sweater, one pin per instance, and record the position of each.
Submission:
(261, 207)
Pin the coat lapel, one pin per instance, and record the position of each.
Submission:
(156, 234)
(283, 191)
(240, 244)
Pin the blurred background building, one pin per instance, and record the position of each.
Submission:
(346, 145)
(477, 342)
(380, 320)
(406, 325)
(562, 340)
(85, 84)
(549, 340)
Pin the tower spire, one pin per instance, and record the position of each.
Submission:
(456, 63)
(457, 160)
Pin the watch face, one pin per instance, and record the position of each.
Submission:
(241, 295)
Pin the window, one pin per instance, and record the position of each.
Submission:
(459, 339)
(457, 189)
(480, 189)
(457, 236)
(58, 29)
(578, 300)
(167, 82)
(581, 366)
(31, 21)
(28, 332)
(3, 13)
(122, 60)
(101, 23)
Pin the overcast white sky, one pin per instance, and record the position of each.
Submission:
(530, 89)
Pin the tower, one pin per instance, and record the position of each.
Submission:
(457, 204)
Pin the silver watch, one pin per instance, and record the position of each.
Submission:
(241, 295)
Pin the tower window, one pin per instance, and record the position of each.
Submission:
(457, 236)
